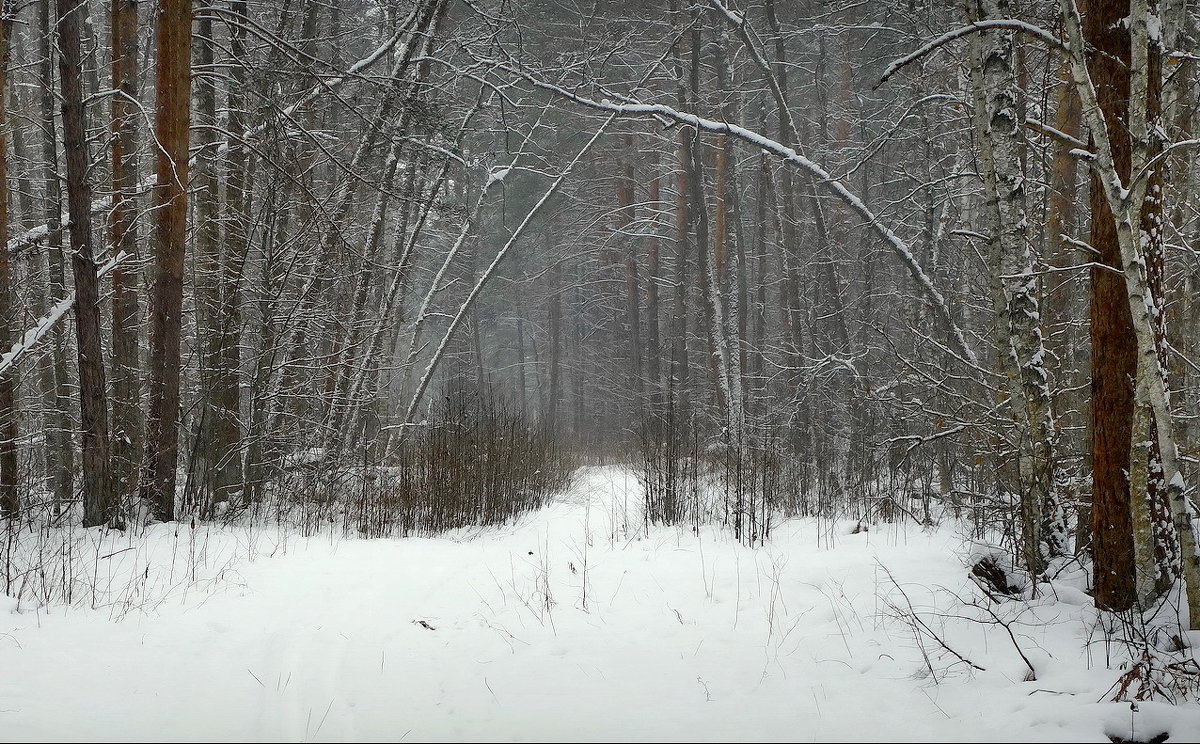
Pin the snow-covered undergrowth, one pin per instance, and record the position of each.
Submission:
(575, 623)
(115, 572)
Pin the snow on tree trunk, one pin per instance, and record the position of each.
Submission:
(1028, 389)
(1126, 198)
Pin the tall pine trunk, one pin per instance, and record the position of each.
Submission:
(126, 383)
(1127, 173)
(679, 378)
(1063, 305)
(99, 502)
(237, 245)
(554, 342)
(172, 117)
(1114, 344)
(653, 354)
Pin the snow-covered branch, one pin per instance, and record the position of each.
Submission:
(456, 321)
(791, 156)
(1005, 24)
(1079, 147)
(31, 337)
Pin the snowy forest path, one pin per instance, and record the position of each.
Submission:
(576, 623)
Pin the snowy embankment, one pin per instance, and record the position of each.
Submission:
(566, 626)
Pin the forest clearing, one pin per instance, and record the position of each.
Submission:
(574, 624)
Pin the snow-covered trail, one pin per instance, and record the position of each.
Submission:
(560, 628)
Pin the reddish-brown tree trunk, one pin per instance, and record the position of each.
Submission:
(1114, 347)
(1114, 344)
(1062, 297)
(171, 120)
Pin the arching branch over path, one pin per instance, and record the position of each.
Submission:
(822, 177)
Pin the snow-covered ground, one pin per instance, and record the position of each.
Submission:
(567, 626)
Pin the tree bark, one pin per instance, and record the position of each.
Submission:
(1114, 345)
(126, 382)
(680, 382)
(10, 500)
(172, 118)
(1028, 395)
(1130, 198)
(227, 388)
(1063, 308)
(59, 441)
(99, 502)
(723, 295)
(554, 355)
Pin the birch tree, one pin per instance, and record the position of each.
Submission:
(1023, 352)
(1125, 165)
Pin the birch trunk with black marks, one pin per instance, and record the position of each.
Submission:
(1022, 347)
